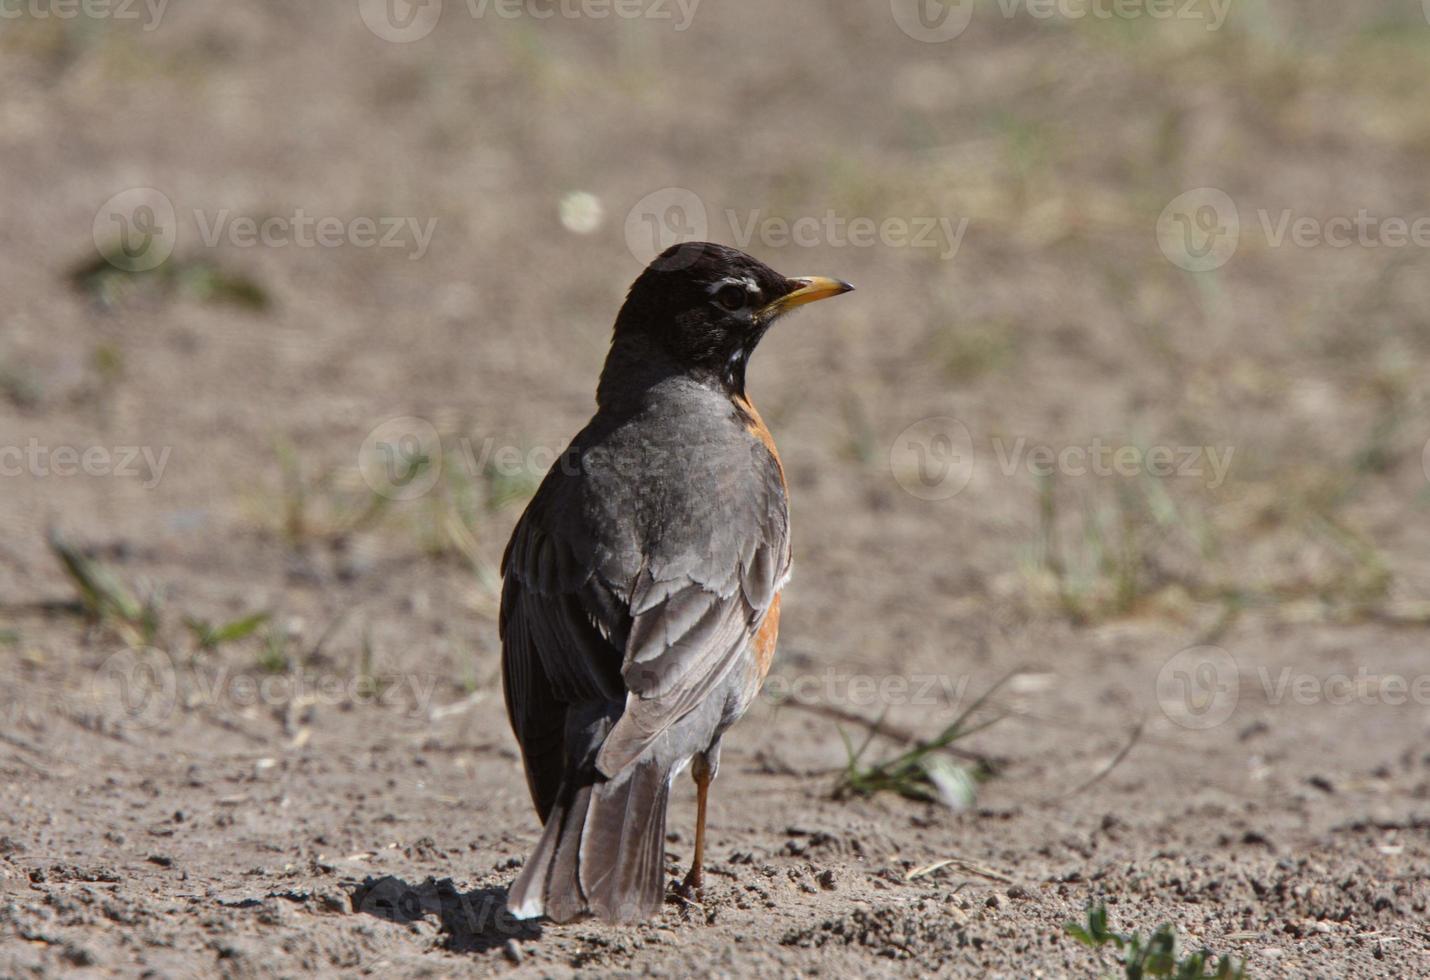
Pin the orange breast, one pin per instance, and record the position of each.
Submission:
(756, 427)
(769, 631)
(765, 640)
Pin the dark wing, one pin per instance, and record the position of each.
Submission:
(652, 614)
(562, 630)
(699, 601)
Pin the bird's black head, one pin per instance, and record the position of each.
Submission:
(705, 307)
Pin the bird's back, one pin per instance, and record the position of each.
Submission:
(678, 487)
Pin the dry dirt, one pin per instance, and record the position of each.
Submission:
(339, 791)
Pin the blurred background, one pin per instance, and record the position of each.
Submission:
(299, 301)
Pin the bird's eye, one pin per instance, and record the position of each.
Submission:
(732, 297)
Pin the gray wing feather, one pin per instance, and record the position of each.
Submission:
(691, 628)
(655, 608)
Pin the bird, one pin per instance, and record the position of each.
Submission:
(641, 586)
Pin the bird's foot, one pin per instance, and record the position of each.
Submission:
(692, 889)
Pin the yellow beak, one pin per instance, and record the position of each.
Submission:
(810, 289)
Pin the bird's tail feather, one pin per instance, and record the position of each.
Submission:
(547, 883)
(602, 852)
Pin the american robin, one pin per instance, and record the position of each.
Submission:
(642, 585)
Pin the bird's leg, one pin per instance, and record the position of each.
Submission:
(695, 881)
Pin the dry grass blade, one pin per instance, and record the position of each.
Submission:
(921, 772)
(1133, 738)
(879, 726)
(967, 867)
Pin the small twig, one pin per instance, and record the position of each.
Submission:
(327, 634)
(967, 867)
(213, 718)
(1133, 738)
(21, 743)
(879, 727)
(456, 707)
(769, 763)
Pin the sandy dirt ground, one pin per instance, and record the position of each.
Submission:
(1126, 422)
